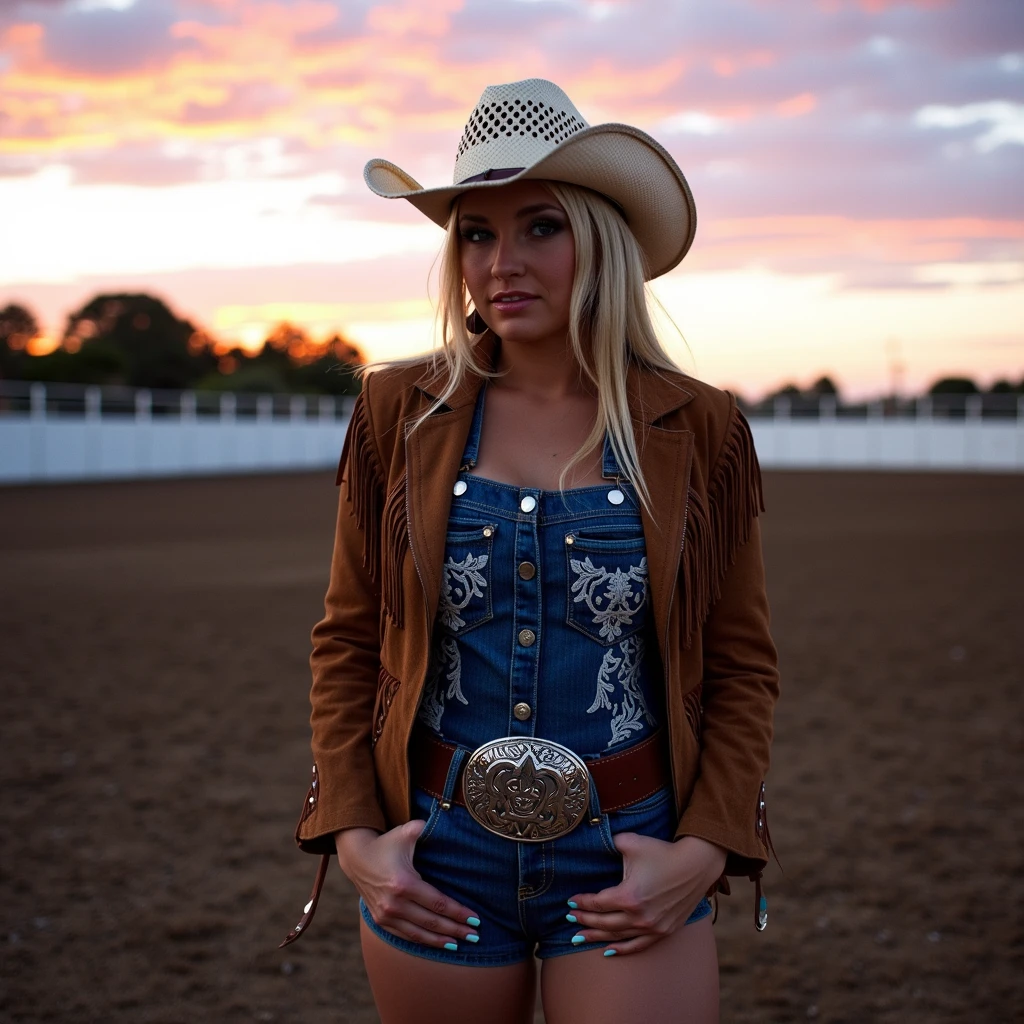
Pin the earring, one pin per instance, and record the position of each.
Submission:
(475, 323)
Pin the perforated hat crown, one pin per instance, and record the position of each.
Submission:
(531, 129)
(520, 122)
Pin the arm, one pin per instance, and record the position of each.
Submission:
(346, 653)
(740, 678)
(740, 688)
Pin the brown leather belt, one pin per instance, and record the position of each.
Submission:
(620, 779)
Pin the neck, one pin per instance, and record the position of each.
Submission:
(541, 369)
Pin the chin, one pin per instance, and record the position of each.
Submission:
(525, 333)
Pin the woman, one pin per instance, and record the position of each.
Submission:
(543, 688)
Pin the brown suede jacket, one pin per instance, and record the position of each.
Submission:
(707, 591)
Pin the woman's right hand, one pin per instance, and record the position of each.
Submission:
(380, 867)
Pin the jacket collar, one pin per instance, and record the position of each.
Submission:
(652, 394)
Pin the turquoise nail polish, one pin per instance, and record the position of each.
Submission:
(578, 940)
(472, 937)
(610, 952)
(453, 946)
(473, 922)
(570, 918)
(573, 904)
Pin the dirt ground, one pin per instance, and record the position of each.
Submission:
(154, 754)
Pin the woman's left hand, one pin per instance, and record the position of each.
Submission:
(662, 883)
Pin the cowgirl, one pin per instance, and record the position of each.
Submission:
(543, 688)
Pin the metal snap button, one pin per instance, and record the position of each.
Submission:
(529, 503)
(615, 496)
(488, 531)
(460, 487)
(527, 637)
(522, 711)
(527, 570)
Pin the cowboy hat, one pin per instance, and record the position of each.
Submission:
(531, 129)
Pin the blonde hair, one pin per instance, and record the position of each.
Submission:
(609, 322)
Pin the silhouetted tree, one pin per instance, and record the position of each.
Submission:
(954, 386)
(290, 361)
(135, 339)
(18, 326)
(824, 386)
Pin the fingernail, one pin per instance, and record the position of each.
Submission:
(573, 904)
(451, 945)
(570, 918)
(473, 922)
(472, 937)
(578, 940)
(610, 952)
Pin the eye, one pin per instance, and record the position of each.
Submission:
(472, 234)
(544, 227)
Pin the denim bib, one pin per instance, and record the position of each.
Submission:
(544, 625)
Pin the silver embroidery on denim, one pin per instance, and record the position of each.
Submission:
(438, 690)
(462, 582)
(610, 596)
(630, 712)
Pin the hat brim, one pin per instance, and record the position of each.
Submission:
(619, 161)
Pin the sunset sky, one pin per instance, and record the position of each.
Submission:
(858, 166)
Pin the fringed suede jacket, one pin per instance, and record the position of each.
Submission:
(707, 590)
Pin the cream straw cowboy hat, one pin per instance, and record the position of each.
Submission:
(531, 129)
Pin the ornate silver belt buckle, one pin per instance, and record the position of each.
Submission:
(526, 789)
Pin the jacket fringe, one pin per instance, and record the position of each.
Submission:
(718, 524)
(396, 538)
(363, 476)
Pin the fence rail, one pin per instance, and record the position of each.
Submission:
(53, 432)
(102, 401)
(94, 401)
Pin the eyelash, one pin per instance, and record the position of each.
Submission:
(473, 235)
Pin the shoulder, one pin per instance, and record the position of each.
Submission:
(689, 404)
(392, 393)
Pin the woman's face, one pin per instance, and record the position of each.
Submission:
(518, 259)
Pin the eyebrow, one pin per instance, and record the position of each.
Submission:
(526, 211)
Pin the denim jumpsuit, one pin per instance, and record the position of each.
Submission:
(543, 629)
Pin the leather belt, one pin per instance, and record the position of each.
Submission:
(621, 779)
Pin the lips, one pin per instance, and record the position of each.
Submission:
(511, 302)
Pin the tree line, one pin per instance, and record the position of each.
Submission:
(135, 339)
(138, 341)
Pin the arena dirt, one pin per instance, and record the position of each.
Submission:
(154, 754)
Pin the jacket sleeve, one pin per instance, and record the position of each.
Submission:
(740, 682)
(345, 660)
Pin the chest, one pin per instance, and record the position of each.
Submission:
(527, 441)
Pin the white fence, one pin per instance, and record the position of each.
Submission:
(65, 432)
(58, 433)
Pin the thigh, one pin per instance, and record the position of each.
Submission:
(675, 980)
(413, 990)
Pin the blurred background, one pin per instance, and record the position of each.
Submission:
(190, 270)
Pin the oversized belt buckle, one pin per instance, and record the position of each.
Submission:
(526, 789)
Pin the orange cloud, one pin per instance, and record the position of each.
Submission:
(797, 106)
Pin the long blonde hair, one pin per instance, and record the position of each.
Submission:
(609, 322)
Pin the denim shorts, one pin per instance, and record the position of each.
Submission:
(520, 891)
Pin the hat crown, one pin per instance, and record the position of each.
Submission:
(515, 125)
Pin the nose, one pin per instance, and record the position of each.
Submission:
(508, 260)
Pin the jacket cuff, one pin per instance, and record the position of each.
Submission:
(319, 822)
(746, 853)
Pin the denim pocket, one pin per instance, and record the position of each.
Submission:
(653, 816)
(606, 583)
(465, 599)
(429, 808)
